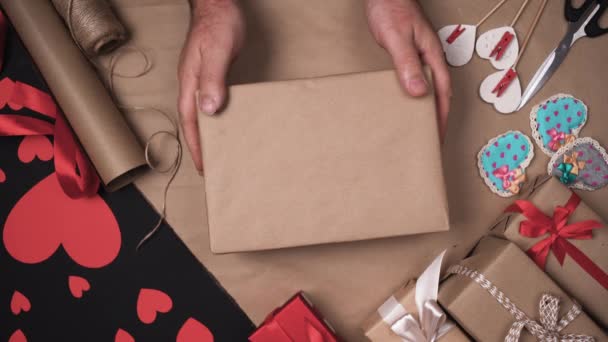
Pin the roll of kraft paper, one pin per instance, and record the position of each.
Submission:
(102, 130)
(93, 24)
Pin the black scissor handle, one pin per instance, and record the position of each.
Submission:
(593, 29)
(572, 13)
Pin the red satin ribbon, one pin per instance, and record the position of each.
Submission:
(74, 171)
(539, 224)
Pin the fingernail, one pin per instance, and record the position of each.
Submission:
(207, 105)
(201, 173)
(417, 86)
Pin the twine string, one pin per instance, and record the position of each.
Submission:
(173, 167)
(92, 24)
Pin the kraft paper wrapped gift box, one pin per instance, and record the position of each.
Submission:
(511, 271)
(588, 284)
(377, 329)
(322, 160)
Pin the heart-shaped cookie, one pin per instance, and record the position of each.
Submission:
(582, 164)
(458, 51)
(502, 162)
(509, 100)
(487, 42)
(557, 121)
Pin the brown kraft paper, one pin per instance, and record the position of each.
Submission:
(290, 39)
(322, 160)
(511, 271)
(97, 122)
(377, 330)
(571, 277)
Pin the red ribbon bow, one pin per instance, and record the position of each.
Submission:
(539, 224)
(74, 171)
(556, 139)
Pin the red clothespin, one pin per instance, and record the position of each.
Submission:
(502, 45)
(455, 34)
(504, 83)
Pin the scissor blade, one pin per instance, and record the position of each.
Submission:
(544, 73)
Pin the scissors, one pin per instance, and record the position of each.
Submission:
(582, 22)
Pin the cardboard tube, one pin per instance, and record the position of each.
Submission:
(101, 128)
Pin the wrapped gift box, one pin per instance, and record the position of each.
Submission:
(295, 321)
(507, 272)
(322, 160)
(377, 327)
(584, 239)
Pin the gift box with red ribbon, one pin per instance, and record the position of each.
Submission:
(295, 321)
(566, 239)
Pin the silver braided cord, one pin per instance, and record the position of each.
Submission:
(546, 331)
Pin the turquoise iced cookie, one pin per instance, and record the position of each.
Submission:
(557, 121)
(502, 162)
(583, 164)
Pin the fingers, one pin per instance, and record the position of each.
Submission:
(216, 34)
(215, 59)
(434, 57)
(188, 80)
(406, 58)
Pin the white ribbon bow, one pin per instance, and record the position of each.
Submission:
(433, 321)
(549, 328)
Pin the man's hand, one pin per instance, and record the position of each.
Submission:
(217, 32)
(401, 28)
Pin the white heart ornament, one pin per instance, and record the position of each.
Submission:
(488, 41)
(509, 100)
(460, 51)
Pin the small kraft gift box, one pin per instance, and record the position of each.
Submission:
(566, 239)
(323, 160)
(412, 313)
(296, 321)
(499, 294)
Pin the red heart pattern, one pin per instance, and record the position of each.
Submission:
(194, 331)
(86, 227)
(123, 336)
(78, 285)
(7, 90)
(20, 303)
(150, 302)
(33, 146)
(2, 176)
(17, 336)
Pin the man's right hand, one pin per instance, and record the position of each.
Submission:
(217, 32)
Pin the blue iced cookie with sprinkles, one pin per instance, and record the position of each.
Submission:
(583, 164)
(557, 121)
(502, 162)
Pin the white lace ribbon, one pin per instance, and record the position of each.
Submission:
(433, 322)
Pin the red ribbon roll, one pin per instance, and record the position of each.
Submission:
(539, 224)
(74, 170)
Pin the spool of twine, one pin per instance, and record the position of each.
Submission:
(93, 25)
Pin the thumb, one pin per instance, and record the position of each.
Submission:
(406, 59)
(215, 61)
